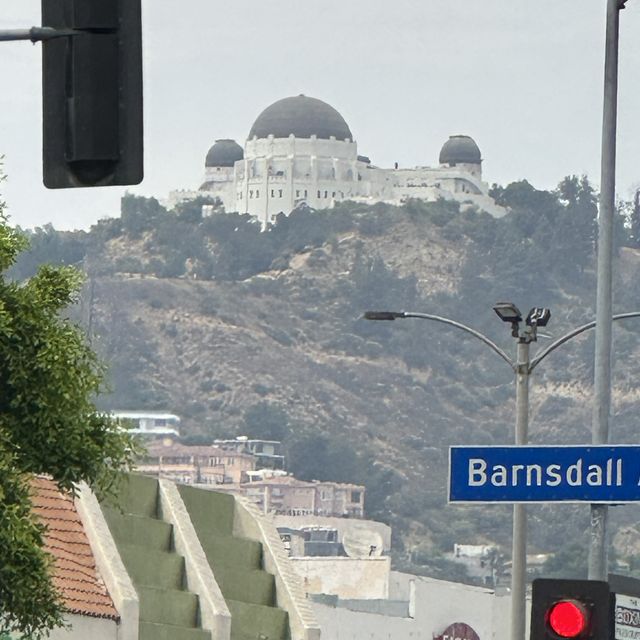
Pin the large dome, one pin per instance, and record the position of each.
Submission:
(303, 117)
(224, 153)
(460, 149)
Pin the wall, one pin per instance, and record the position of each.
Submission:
(83, 627)
(435, 604)
(345, 577)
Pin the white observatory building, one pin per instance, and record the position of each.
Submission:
(300, 151)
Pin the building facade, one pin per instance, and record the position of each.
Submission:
(286, 495)
(300, 151)
(188, 464)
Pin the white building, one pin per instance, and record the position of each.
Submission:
(151, 423)
(300, 150)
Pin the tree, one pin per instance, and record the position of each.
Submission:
(266, 421)
(569, 562)
(48, 425)
(634, 221)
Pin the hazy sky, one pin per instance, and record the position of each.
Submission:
(523, 77)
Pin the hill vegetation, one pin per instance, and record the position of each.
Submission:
(258, 332)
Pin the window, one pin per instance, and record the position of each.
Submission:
(257, 193)
(297, 193)
(273, 193)
(305, 193)
(280, 193)
(319, 193)
(356, 496)
(325, 193)
(333, 195)
(251, 193)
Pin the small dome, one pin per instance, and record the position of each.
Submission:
(460, 149)
(303, 117)
(224, 153)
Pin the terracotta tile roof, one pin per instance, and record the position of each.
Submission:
(75, 573)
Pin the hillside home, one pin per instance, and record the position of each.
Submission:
(190, 464)
(149, 423)
(268, 453)
(286, 495)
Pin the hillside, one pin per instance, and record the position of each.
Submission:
(261, 333)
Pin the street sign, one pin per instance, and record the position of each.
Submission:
(627, 617)
(594, 474)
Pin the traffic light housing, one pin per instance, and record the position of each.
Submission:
(92, 94)
(571, 610)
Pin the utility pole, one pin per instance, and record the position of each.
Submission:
(604, 296)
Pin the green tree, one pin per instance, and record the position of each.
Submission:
(634, 221)
(569, 562)
(48, 425)
(266, 421)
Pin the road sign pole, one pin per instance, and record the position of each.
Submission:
(519, 548)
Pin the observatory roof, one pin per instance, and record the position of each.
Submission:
(224, 153)
(460, 149)
(303, 117)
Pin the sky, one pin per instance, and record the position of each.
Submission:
(522, 77)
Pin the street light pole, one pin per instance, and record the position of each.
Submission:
(523, 367)
(519, 540)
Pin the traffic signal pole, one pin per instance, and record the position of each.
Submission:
(604, 296)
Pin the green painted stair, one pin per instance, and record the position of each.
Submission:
(236, 562)
(168, 611)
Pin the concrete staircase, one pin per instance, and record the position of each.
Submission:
(249, 591)
(168, 611)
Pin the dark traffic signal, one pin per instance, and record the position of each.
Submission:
(92, 94)
(571, 609)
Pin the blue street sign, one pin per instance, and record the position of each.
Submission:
(596, 474)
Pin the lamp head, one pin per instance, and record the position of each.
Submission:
(507, 312)
(383, 315)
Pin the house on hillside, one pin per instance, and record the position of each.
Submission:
(191, 464)
(149, 423)
(286, 495)
(268, 453)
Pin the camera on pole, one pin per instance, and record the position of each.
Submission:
(92, 93)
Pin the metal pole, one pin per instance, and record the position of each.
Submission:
(604, 297)
(519, 548)
(36, 34)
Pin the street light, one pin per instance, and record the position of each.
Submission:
(522, 367)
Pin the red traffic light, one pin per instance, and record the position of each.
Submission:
(567, 618)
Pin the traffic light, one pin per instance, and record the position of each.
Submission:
(571, 609)
(92, 94)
